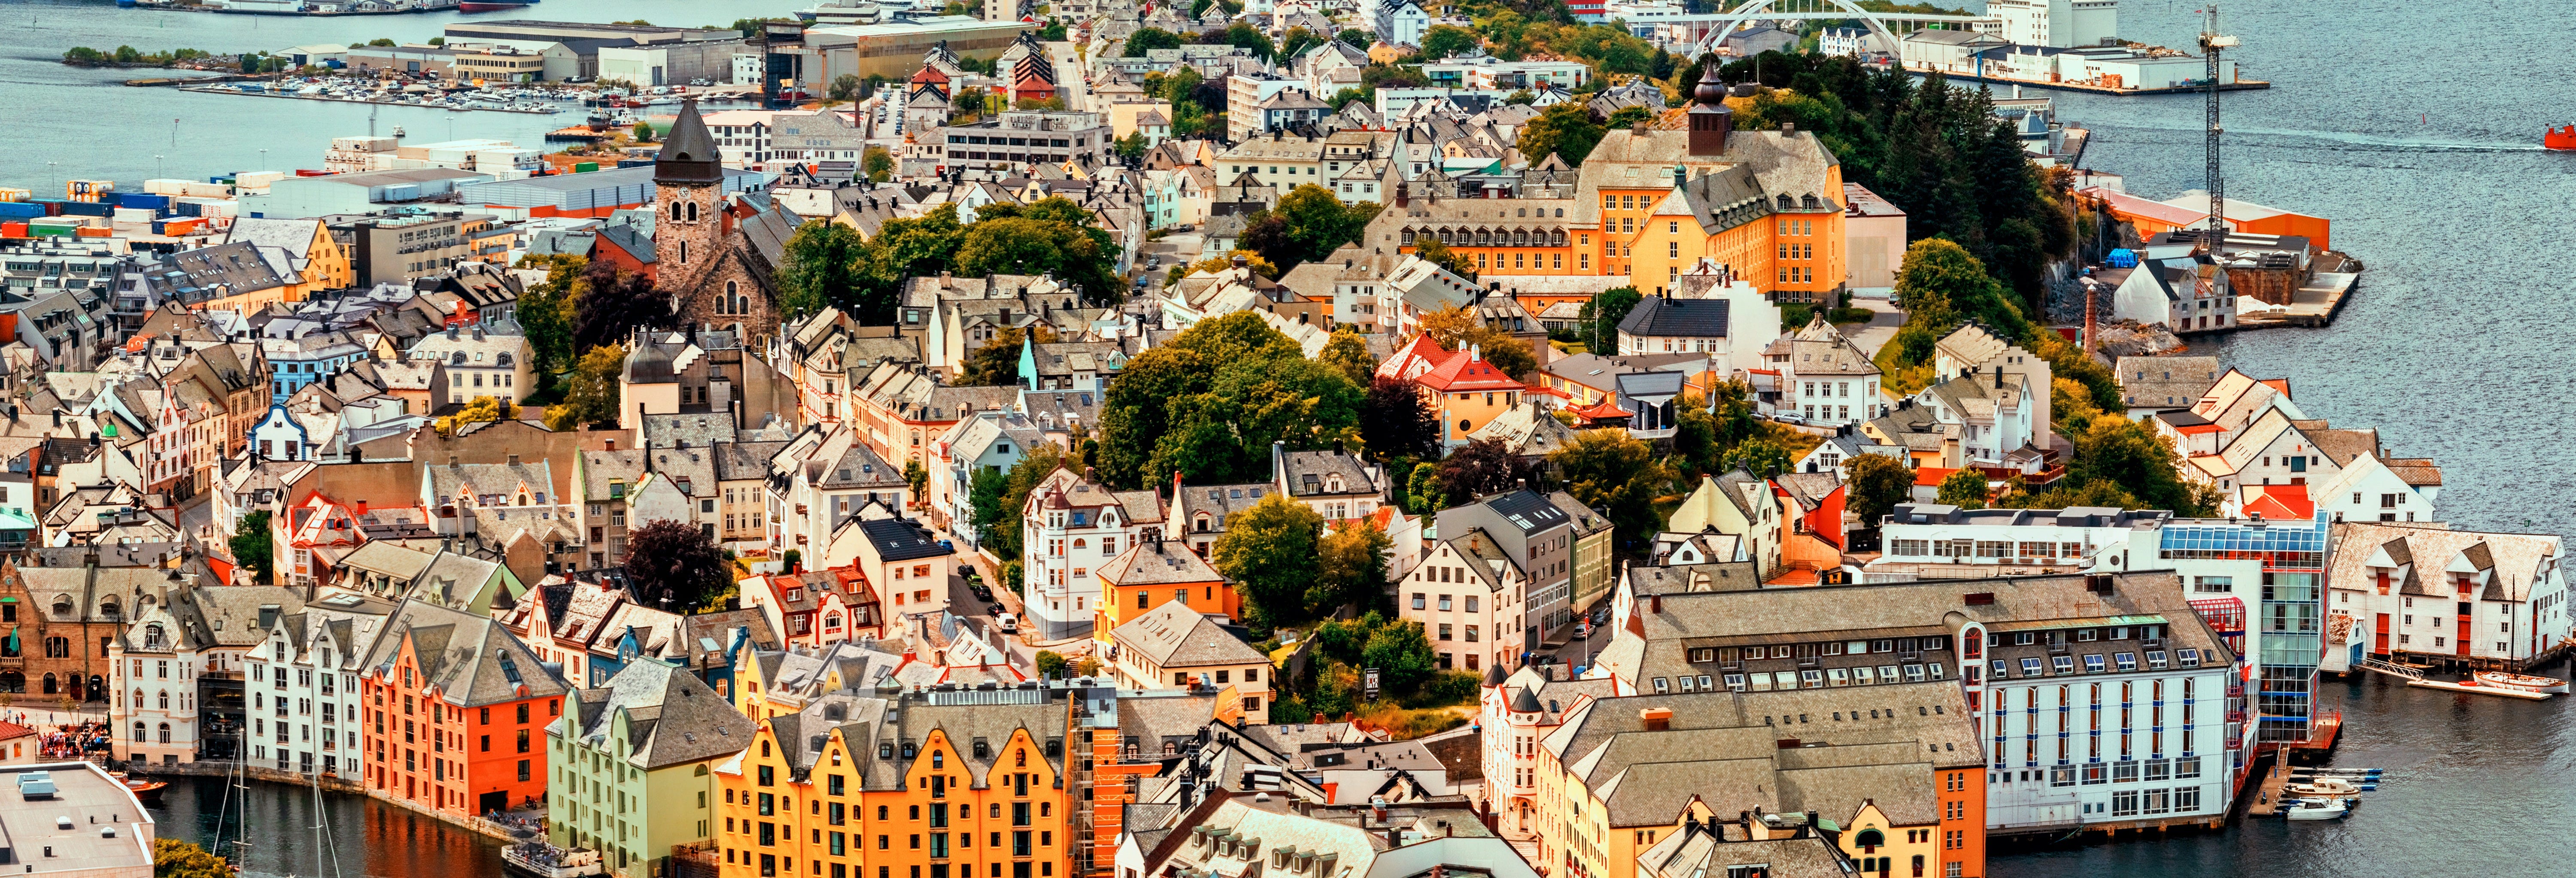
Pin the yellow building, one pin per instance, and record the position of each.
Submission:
(1648, 205)
(322, 260)
(955, 784)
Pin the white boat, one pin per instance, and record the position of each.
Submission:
(2318, 808)
(2527, 683)
(2472, 686)
(2329, 786)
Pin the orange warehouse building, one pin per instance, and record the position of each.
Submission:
(456, 713)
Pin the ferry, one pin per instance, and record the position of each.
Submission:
(2502, 680)
(538, 859)
(2560, 139)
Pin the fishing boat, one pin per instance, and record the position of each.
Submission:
(2318, 808)
(2524, 682)
(145, 790)
(537, 859)
(2560, 138)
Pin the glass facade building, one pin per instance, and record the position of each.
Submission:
(2289, 617)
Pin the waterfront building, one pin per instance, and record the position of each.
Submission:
(358, 193)
(2059, 23)
(2103, 700)
(943, 784)
(323, 645)
(1496, 581)
(455, 705)
(1175, 647)
(680, 63)
(891, 47)
(632, 767)
(585, 40)
(1925, 540)
(2423, 593)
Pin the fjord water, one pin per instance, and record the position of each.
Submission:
(2414, 126)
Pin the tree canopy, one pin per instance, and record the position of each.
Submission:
(1566, 130)
(1610, 470)
(1307, 224)
(1151, 38)
(822, 266)
(1878, 482)
(997, 363)
(591, 391)
(1209, 403)
(1270, 551)
(614, 303)
(677, 564)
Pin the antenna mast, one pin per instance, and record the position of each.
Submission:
(2210, 44)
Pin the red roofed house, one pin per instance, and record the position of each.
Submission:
(1032, 75)
(1462, 386)
(20, 745)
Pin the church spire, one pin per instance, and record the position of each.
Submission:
(688, 156)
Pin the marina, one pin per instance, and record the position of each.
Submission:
(389, 98)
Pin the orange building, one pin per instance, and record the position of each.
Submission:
(457, 709)
(939, 784)
(1151, 574)
(1649, 204)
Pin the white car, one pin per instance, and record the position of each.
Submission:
(1006, 623)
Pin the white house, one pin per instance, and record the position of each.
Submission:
(1401, 22)
(1070, 527)
(2412, 592)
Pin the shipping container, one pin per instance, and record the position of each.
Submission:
(93, 232)
(88, 190)
(21, 210)
(53, 206)
(7, 194)
(309, 172)
(86, 208)
(50, 231)
(585, 167)
(142, 200)
(13, 230)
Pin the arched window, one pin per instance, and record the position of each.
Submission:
(52, 687)
(1870, 839)
(675, 211)
(165, 733)
(832, 622)
(140, 732)
(1079, 543)
(138, 699)
(693, 209)
(165, 699)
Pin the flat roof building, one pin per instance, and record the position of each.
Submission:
(85, 823)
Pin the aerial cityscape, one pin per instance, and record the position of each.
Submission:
(1279, 439)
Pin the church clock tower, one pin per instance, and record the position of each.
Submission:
(688, 183)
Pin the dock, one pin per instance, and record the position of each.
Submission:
(2239, 85)
(2323, 734)
(2268, 792)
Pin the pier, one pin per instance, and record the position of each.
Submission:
(2239, 85)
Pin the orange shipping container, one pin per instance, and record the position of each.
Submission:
(95, 232)
(13, 230)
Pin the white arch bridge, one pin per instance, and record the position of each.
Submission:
(1707, 29)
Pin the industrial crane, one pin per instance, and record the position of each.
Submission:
(2211, 41)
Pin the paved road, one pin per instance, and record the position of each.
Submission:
(1882, 326)
(1071, 83)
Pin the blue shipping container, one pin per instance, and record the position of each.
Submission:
(53, 206)
(143, 201)
(87, 208)
(21, 210)
(190, 208)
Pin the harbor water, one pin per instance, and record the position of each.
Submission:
(358, 836)
(2415, 127)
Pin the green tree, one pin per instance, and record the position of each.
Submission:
(1480, 468)
(1132, 147)
(1626, 117)
(821, 270)
(255, 549)
(1148, 39)
(1270, 552)
(614, 303)
(1878, 482)
(545, 309)
(1695, 437)
(1965, 489)
(878, 163)
(916, 477)
(481, 409)
(997, 363)
(1050, 665)
(1231, 382)
(1402, 656)
(1609, 470)
(1348, 352)
(1759, 456)
(1522, 96)
(1448, 40)
(172, 858)
(1601, 316)
(590, 393)
(1297, 39)
(1424, 491)
(1243, 35)
(1397, 422)
(1350, 566)
(1565, 130)
(844, 88)
(1356, 38)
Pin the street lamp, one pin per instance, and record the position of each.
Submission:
(160, 166)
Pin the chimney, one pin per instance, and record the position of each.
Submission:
(612, 444)
(1681, 175)
(1656, 719)
(1655, 603)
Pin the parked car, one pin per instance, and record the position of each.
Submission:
(1006, 623)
